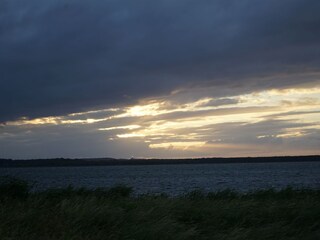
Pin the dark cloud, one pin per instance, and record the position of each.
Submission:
(59, 57)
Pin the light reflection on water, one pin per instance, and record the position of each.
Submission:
(176, 179)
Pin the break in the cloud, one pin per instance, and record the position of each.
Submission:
(264, 123)
(169, 78)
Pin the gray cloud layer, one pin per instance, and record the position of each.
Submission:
(60, 56)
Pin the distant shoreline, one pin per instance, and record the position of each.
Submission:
(66, 162)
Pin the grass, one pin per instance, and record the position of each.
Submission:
(115, 213)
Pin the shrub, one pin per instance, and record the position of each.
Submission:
(120, 191)
(197, 194)
(11, 187)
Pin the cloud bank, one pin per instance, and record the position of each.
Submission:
(59, 57)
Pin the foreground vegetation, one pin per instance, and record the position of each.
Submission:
(115, 214)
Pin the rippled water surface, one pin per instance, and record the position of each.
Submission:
(176, 179)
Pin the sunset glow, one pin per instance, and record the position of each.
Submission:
(208, 125)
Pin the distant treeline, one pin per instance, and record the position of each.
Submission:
(64, 162)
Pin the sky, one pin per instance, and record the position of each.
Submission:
(159, 79)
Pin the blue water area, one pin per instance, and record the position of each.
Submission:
(176, 179)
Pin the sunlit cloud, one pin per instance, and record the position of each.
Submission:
(37, 121)
(129, 127)
(93, 112)
(246, 124)
(130, 135)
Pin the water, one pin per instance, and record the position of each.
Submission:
(176, 179)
